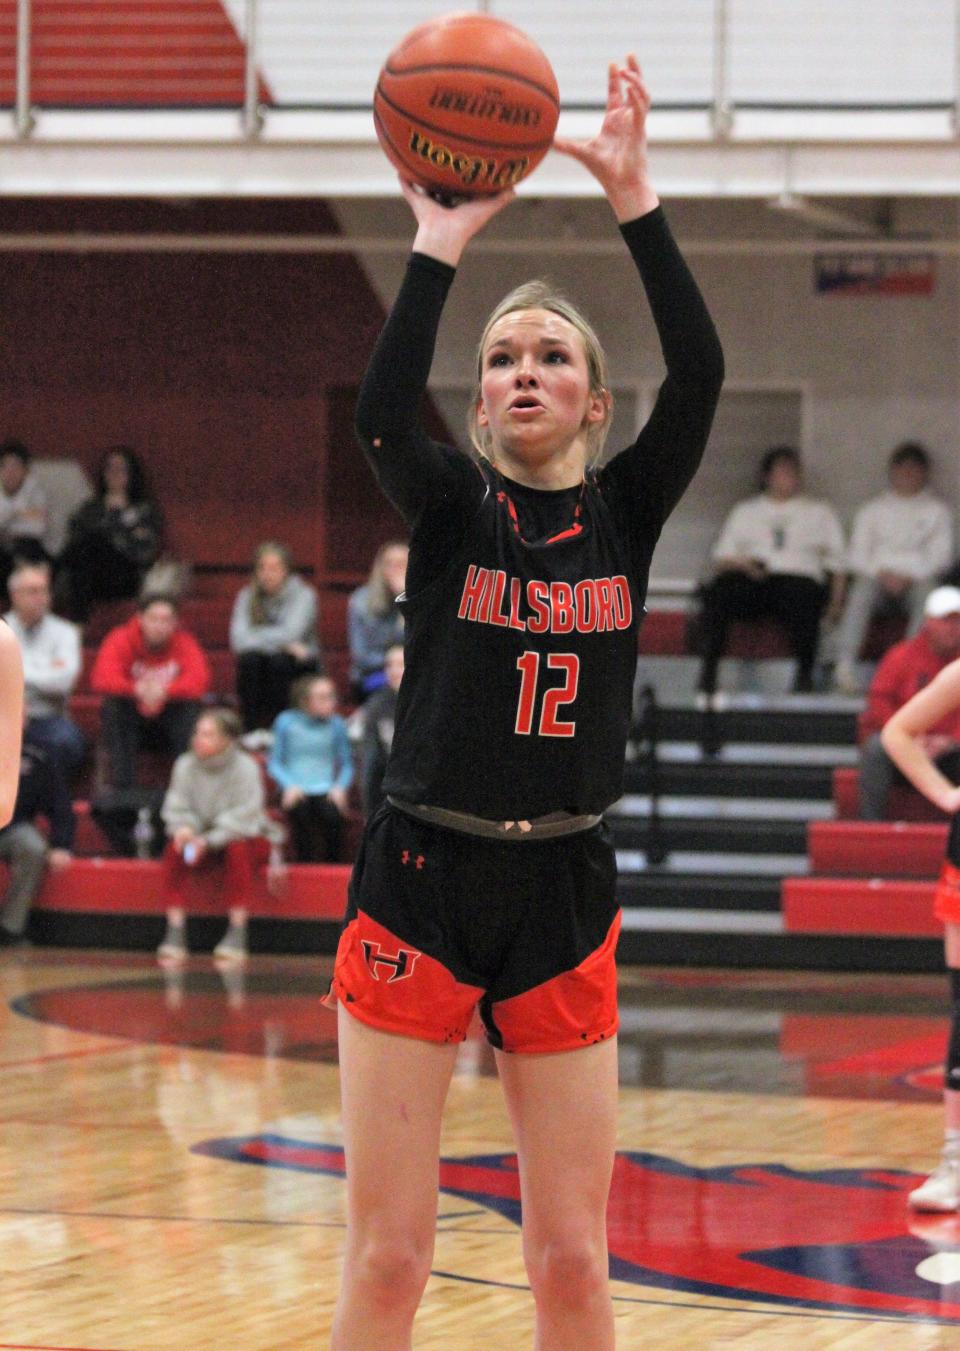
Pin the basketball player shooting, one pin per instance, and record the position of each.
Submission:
(487, 879)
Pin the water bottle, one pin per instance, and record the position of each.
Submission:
(143, 834)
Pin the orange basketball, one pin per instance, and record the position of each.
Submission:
(466, 105)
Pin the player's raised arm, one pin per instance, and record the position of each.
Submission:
(654, 473)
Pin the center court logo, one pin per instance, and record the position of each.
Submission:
(838, 1240)
(399, 964)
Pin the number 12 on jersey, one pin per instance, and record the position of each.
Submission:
(554, 698)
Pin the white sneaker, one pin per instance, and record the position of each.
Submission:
(845, 679)
(173, 948)
(231, 948)
(711, 703)
(941, 1191)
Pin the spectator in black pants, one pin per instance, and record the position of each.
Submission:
(312, 763)
(43, 791)
(273, 632)
(780, 555)
(153, 674)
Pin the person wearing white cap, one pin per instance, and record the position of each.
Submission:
(906, 739)
(910, 666)
(901, 540)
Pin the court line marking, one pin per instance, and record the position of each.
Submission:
(720, 1308)
(167, 1219)
(112, 1049)
(31, 1346)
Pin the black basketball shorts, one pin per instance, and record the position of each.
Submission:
(439, 922)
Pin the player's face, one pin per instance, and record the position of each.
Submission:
(535, 385)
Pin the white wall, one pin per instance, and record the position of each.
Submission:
(873, 371)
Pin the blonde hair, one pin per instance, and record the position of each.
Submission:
(541, 295)
(257, 608)
(379, 596)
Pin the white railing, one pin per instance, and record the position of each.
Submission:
(722, 57)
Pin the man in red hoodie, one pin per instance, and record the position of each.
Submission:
(904, 670)
(153, 675)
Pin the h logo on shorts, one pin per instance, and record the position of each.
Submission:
(401, 966)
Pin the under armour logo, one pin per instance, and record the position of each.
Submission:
(401, 965)
(419, 861)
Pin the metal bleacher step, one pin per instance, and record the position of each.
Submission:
(709, 834)
(717, 778)
(725, 807)
(662, 889)
(816, 721)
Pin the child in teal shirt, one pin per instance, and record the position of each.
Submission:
(312, 763)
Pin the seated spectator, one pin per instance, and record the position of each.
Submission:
(214, 817)
(779, 554)
(51, 664)
(900, 541)
(42, 791)
(373, 621)
(904, 670)
(273, 632)
(379, 715)
(112, 539)
(23, 509)
(153, 675)
(312, 764)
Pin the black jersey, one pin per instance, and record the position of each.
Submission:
(523, 605)
(953, 841)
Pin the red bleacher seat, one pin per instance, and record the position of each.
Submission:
(878, 907)
(905, 803)
(132, 886)
(875, 848)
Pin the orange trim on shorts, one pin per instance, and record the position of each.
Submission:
(946, 897)
(575, 1009)
(390, 985)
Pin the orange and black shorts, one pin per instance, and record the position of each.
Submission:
(440, 922)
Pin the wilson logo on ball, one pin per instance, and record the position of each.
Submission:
(469, 170)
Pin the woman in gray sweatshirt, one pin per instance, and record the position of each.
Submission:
(214, 815)
(273, 633)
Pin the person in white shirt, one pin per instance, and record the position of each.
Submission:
(24, 512)
(779, 554)
(901, 540)
(50, 648)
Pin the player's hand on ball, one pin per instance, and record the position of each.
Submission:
(444, 230)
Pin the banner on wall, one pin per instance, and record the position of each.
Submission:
(875, 274)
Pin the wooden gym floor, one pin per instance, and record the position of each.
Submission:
(170, 1172)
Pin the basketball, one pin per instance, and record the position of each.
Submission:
(466, 105)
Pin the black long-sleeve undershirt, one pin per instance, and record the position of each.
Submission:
(437, 488)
